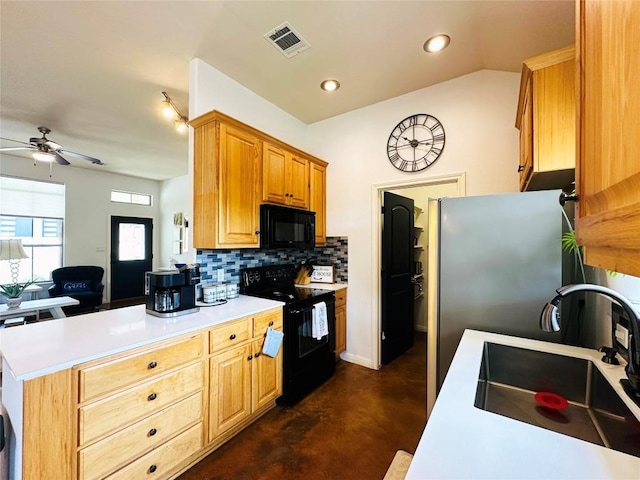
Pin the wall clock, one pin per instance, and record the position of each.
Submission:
(416, 143)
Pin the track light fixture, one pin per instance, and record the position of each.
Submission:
(170, 111)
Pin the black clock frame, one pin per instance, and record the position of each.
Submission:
(434, 142)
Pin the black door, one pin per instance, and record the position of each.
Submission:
(131, 255)
(397, 272)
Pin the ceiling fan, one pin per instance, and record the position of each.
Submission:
(47, 150)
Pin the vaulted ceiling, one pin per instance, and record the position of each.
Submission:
(94, 71)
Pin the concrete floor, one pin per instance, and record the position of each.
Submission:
(349, 428)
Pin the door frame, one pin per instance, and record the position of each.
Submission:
(458, 179)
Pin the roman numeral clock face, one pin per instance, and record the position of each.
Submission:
(416, 143)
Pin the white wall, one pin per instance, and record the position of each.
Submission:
(176, 197)
(88, 207)
(477, 111)
(209, 89)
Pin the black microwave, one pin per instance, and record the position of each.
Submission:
(284, 227)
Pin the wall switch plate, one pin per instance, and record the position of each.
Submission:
(221, 275)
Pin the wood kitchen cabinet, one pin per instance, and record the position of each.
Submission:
(242, 379)
(318, 199)
(608, 169)
(285, 177)
(236, 168)
(341, 321)
(546, 119)
(133, 405)
(227, 183)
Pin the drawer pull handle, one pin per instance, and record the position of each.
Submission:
(152, 397)
(232, 337)
(152, 432)
(152, 365)
(152, 468)
(249, 357)
(271, 323)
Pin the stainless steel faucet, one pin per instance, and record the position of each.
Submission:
(550, 322)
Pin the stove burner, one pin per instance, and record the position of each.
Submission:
(283, 294)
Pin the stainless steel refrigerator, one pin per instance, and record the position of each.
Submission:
(494, 261)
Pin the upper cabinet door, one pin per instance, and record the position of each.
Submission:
(240, 181)
(274, 163)
(298, 182)
(286, 177)
(608, 170)
(317, 201)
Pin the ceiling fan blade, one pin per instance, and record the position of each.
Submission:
(9, 149)
(58, 158)
(95, 161)
(16, 141)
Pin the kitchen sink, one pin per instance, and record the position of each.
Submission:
(510, 377)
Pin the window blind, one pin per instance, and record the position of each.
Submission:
(31, 198)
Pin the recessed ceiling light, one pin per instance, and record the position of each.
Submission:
(330, 85)
(436, 43)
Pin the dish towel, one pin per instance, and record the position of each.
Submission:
(320, 325)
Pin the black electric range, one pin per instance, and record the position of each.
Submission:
(308, 360)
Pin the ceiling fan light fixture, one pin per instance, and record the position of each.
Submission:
(436, 43)
(43, 156)
(330, 85)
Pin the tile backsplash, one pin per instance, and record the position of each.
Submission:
(334, 252)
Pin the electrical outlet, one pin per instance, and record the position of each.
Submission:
(221, 275)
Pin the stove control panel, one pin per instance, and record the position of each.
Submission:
(260, 278)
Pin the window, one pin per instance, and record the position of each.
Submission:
(33, 212)
(130, 197)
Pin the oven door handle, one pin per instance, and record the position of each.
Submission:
(297, 311)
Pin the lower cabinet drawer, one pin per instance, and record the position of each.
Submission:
(120, 410)
(229, 334)
(159, 462)
(98, 460)
(264, 320)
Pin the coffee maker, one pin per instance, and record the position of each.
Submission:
(172, 293)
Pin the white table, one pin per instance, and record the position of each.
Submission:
(31, 307)
(33, 289)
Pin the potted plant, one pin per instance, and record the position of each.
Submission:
(13, 292)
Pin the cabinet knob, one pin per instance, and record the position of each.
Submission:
(257, 232)
(152, 365)
(271, 323)
(249, 357)
(232, 336)
(152, 397)
(520, 168)
(152, 468)
(152, 432)
(567, 197)
(257, 355)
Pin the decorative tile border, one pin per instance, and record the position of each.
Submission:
(334, 252)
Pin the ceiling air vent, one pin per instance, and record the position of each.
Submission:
(287, 40)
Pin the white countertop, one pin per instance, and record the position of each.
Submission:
(461, 441)
(41, 348)
(324, 286)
